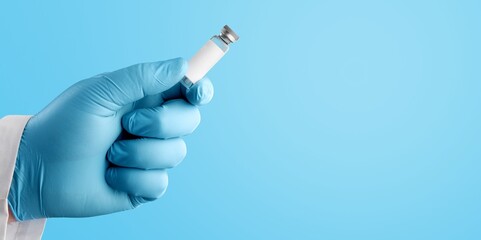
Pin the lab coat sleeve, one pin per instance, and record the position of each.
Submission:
(11, 129)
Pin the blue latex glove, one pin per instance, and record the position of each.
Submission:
(103, 145)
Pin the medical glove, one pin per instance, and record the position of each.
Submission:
(105, 143)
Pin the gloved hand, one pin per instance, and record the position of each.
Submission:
(103, 145)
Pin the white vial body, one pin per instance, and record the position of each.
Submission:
(205, 59)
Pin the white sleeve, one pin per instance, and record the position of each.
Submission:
(11, 129)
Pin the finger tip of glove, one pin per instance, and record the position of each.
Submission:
(128, 121)
(170, 72)
(179, 65)
(202, 93)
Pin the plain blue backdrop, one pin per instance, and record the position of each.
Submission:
(331, 119)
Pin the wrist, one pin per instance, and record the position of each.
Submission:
(24, 195)
(11, 218)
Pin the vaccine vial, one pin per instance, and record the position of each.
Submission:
(209, 55)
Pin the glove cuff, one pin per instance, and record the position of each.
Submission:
(24, 195)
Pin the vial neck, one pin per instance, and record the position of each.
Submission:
(225, 39)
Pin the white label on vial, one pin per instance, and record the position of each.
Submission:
(203, 61)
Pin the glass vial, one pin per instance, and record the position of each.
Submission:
(209, 55)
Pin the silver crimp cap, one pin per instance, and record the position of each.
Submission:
(228, 35)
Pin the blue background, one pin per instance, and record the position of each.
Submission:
(331, 120)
